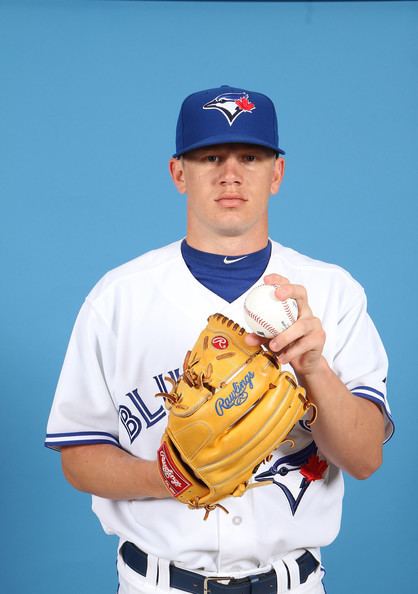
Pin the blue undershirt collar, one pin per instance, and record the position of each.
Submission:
(216, 271)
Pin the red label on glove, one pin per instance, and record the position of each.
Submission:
(175, 482)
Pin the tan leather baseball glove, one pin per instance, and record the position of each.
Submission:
(229, 410)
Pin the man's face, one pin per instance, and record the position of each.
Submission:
(228, 188)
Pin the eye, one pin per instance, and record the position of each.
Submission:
(212, 158)
(250, 158)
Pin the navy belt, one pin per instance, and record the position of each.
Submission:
(195, 583)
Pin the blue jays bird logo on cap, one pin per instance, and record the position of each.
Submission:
(231, 105)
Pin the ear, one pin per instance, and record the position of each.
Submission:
(176, 167)
(278, 174)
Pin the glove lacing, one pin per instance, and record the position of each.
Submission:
(194, 504)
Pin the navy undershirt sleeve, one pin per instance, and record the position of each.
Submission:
(227, 276)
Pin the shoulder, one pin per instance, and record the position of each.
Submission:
(148, 265)
(302, 269)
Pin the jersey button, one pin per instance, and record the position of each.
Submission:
(236, 520)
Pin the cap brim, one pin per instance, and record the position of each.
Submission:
(226, 139)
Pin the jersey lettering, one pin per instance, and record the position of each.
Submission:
(149, 417)
(131, 423)
(162, 386)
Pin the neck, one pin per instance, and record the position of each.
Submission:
(228, 245)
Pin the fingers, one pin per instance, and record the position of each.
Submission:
(305, 335)
(301, 344)
(289, 291)
(254, 340)
(275, 279)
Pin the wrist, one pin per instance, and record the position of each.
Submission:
(155, 483)
(318, 373)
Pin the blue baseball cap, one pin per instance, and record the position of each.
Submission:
(226, 115)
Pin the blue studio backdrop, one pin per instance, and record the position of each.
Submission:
(89, 96)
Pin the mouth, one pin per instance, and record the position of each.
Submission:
(230, 200)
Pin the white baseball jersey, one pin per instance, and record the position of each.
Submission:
(134, 329)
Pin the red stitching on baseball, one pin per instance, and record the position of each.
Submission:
(260, 321)
(288, 311)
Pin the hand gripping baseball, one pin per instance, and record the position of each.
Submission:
(302, 343)
(228, 411)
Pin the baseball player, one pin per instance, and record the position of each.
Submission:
(129, 342)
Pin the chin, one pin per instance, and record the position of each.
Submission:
(232, 231)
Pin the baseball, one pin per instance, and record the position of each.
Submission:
(266, 315)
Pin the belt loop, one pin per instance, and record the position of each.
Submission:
(164, 575)
(152, 570)
(294, 573)
(281, 573)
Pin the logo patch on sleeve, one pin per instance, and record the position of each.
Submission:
(175, 482)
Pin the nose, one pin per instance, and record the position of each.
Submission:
(230, 173)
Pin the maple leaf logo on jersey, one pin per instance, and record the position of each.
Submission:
(314, 468)
(231, 105)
